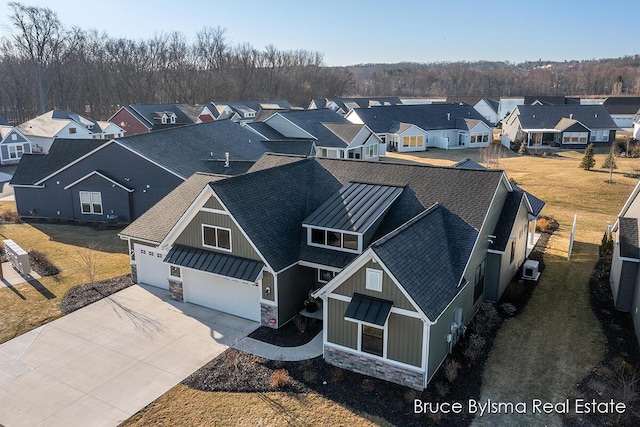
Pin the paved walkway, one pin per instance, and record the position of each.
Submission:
(101, 364)
(309, 350)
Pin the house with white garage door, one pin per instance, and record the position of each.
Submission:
(398, 256)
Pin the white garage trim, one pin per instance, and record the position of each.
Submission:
(150, 268)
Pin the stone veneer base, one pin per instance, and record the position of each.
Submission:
(268, 312)
(134, 273)
(374, 368)
(175, 290)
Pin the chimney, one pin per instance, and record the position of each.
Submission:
(226, 159)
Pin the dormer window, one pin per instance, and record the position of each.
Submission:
(173, 119)
(164, 119)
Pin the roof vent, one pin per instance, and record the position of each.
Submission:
(448, 116)
(571, 116)
(226, 159)
(596, 115)
(534, 116)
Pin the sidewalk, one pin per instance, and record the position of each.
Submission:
(306, 351)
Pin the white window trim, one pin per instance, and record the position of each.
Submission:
(203, 226)
(91, 193)
(335, 248)
(372, 272)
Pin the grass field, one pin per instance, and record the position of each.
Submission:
(29, 305)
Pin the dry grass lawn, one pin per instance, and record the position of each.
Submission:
(544, 352)
(186, 407)
(30, 305)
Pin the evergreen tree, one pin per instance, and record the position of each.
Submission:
(523, 148)
(588, 161)
(610, 161)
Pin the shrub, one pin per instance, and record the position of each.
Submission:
(451, 369)
(474, 347)
(523, 149)
(301, 323)
(543, 224)
(41, 264)
(9, 217)
(508, 309)
(606, 247)
(336, 374)
(442, 388)
(279, 378)
(367, 385)
(309, 376)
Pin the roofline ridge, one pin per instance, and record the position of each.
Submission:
(407, 224)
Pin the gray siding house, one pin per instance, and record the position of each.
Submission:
(625, 275)
(396, 254)
(119, 179)
(13, 144)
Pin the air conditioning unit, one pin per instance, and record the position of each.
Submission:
(530, 270)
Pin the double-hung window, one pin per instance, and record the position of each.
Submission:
(91, 202)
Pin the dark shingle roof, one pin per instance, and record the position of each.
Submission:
(492, 103)
(298, 187)
(548, 116)
(629, 237)
(184, 113)
(306, 118)
(215, 262)
(468, 164)
(33, 167)
(157, 222)
(622, 104)
(184, 150)
(536, 204)
(506, 220)
(425, 116)
(355, 207)
(444, 242)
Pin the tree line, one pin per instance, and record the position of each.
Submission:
(45, 65)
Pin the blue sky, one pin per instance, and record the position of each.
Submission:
(359, 31)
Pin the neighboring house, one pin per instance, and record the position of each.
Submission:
(42, 130)
(331, 135)
(13, 144)
(625, 274)
(507, 104)
(400, 254)
(343, 105)
(636, 125)
(622, 109)
(119, 179)
(571, 126)
(405, 128)
(137, 119)
(240, 111)
(489, 109)
(3, 121)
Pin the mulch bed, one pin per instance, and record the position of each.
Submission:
(297, 332)
(83, 295)
(236, 371)
(617, 376)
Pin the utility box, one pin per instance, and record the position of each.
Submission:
(530, 270)
(18, 257)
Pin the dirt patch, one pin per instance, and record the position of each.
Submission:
(617, 376)
(83, 295)
(297, 332)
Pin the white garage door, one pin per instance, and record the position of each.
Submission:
(151, 270)
(228, 296)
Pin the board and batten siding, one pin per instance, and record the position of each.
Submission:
(340, 331)
(438, 345)
(628, 276)
(294, 285)
(214, 203)
(358, 283)
(405, 339)
(192, 234)
(268, 282)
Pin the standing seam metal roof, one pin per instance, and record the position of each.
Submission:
(355, 207)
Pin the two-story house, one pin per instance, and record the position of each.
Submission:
(400, 255)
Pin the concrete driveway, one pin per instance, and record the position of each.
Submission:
(103, 363)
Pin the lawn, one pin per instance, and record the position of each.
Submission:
(30, 305)
(544, 352)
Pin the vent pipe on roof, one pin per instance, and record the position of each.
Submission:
(571, 116)
(226, 159)
(448, 116)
